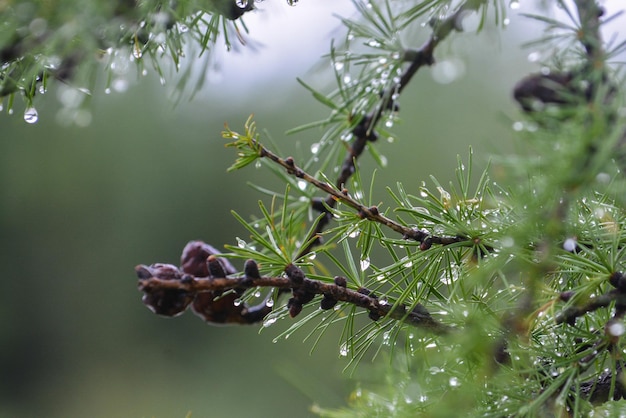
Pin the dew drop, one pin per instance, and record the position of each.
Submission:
(269, 322)
(137, 52)
(269, 303)
(315, 148)
(534, 56)
(343, 350)
(603, 178)
(338, 65)
(514, 4)
(616, 329)
(365, 263)
(569, 245)
(454, 382)
(302, 184)
(31, 115)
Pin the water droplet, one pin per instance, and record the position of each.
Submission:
(603, 178)
(507, 242)
(241, 243)
(269, 322)
(534, 56)
(137, 51)
(302, 184)
(31, 115)
(447, 71)
(237, 302)
(616, 329)
(434, 369)
(514, 4)
(454, 382)
(569, 245)
(365, 263)
(506, 21)
(338, 65)
(269, 303)
(518, 126)
(120, 85)
(315, 147)
(343, 350)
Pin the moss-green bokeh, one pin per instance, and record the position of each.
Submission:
(80, 207)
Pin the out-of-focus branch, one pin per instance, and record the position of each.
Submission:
(365, 130)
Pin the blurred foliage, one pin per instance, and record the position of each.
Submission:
(136, 179)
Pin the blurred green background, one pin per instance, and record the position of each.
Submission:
(81, 206)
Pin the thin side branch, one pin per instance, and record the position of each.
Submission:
(365, 132)
(371, 213)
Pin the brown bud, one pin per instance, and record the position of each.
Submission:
(194, 259)
(341, 281)
(374, 316)
(251, 270)
(426, 243)
(295, 307)
(215, 267)
(618, 280)
(328, 302)
(295, 274)
(166, 302)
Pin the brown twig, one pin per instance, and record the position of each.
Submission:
(175, 282)
(372, 213)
